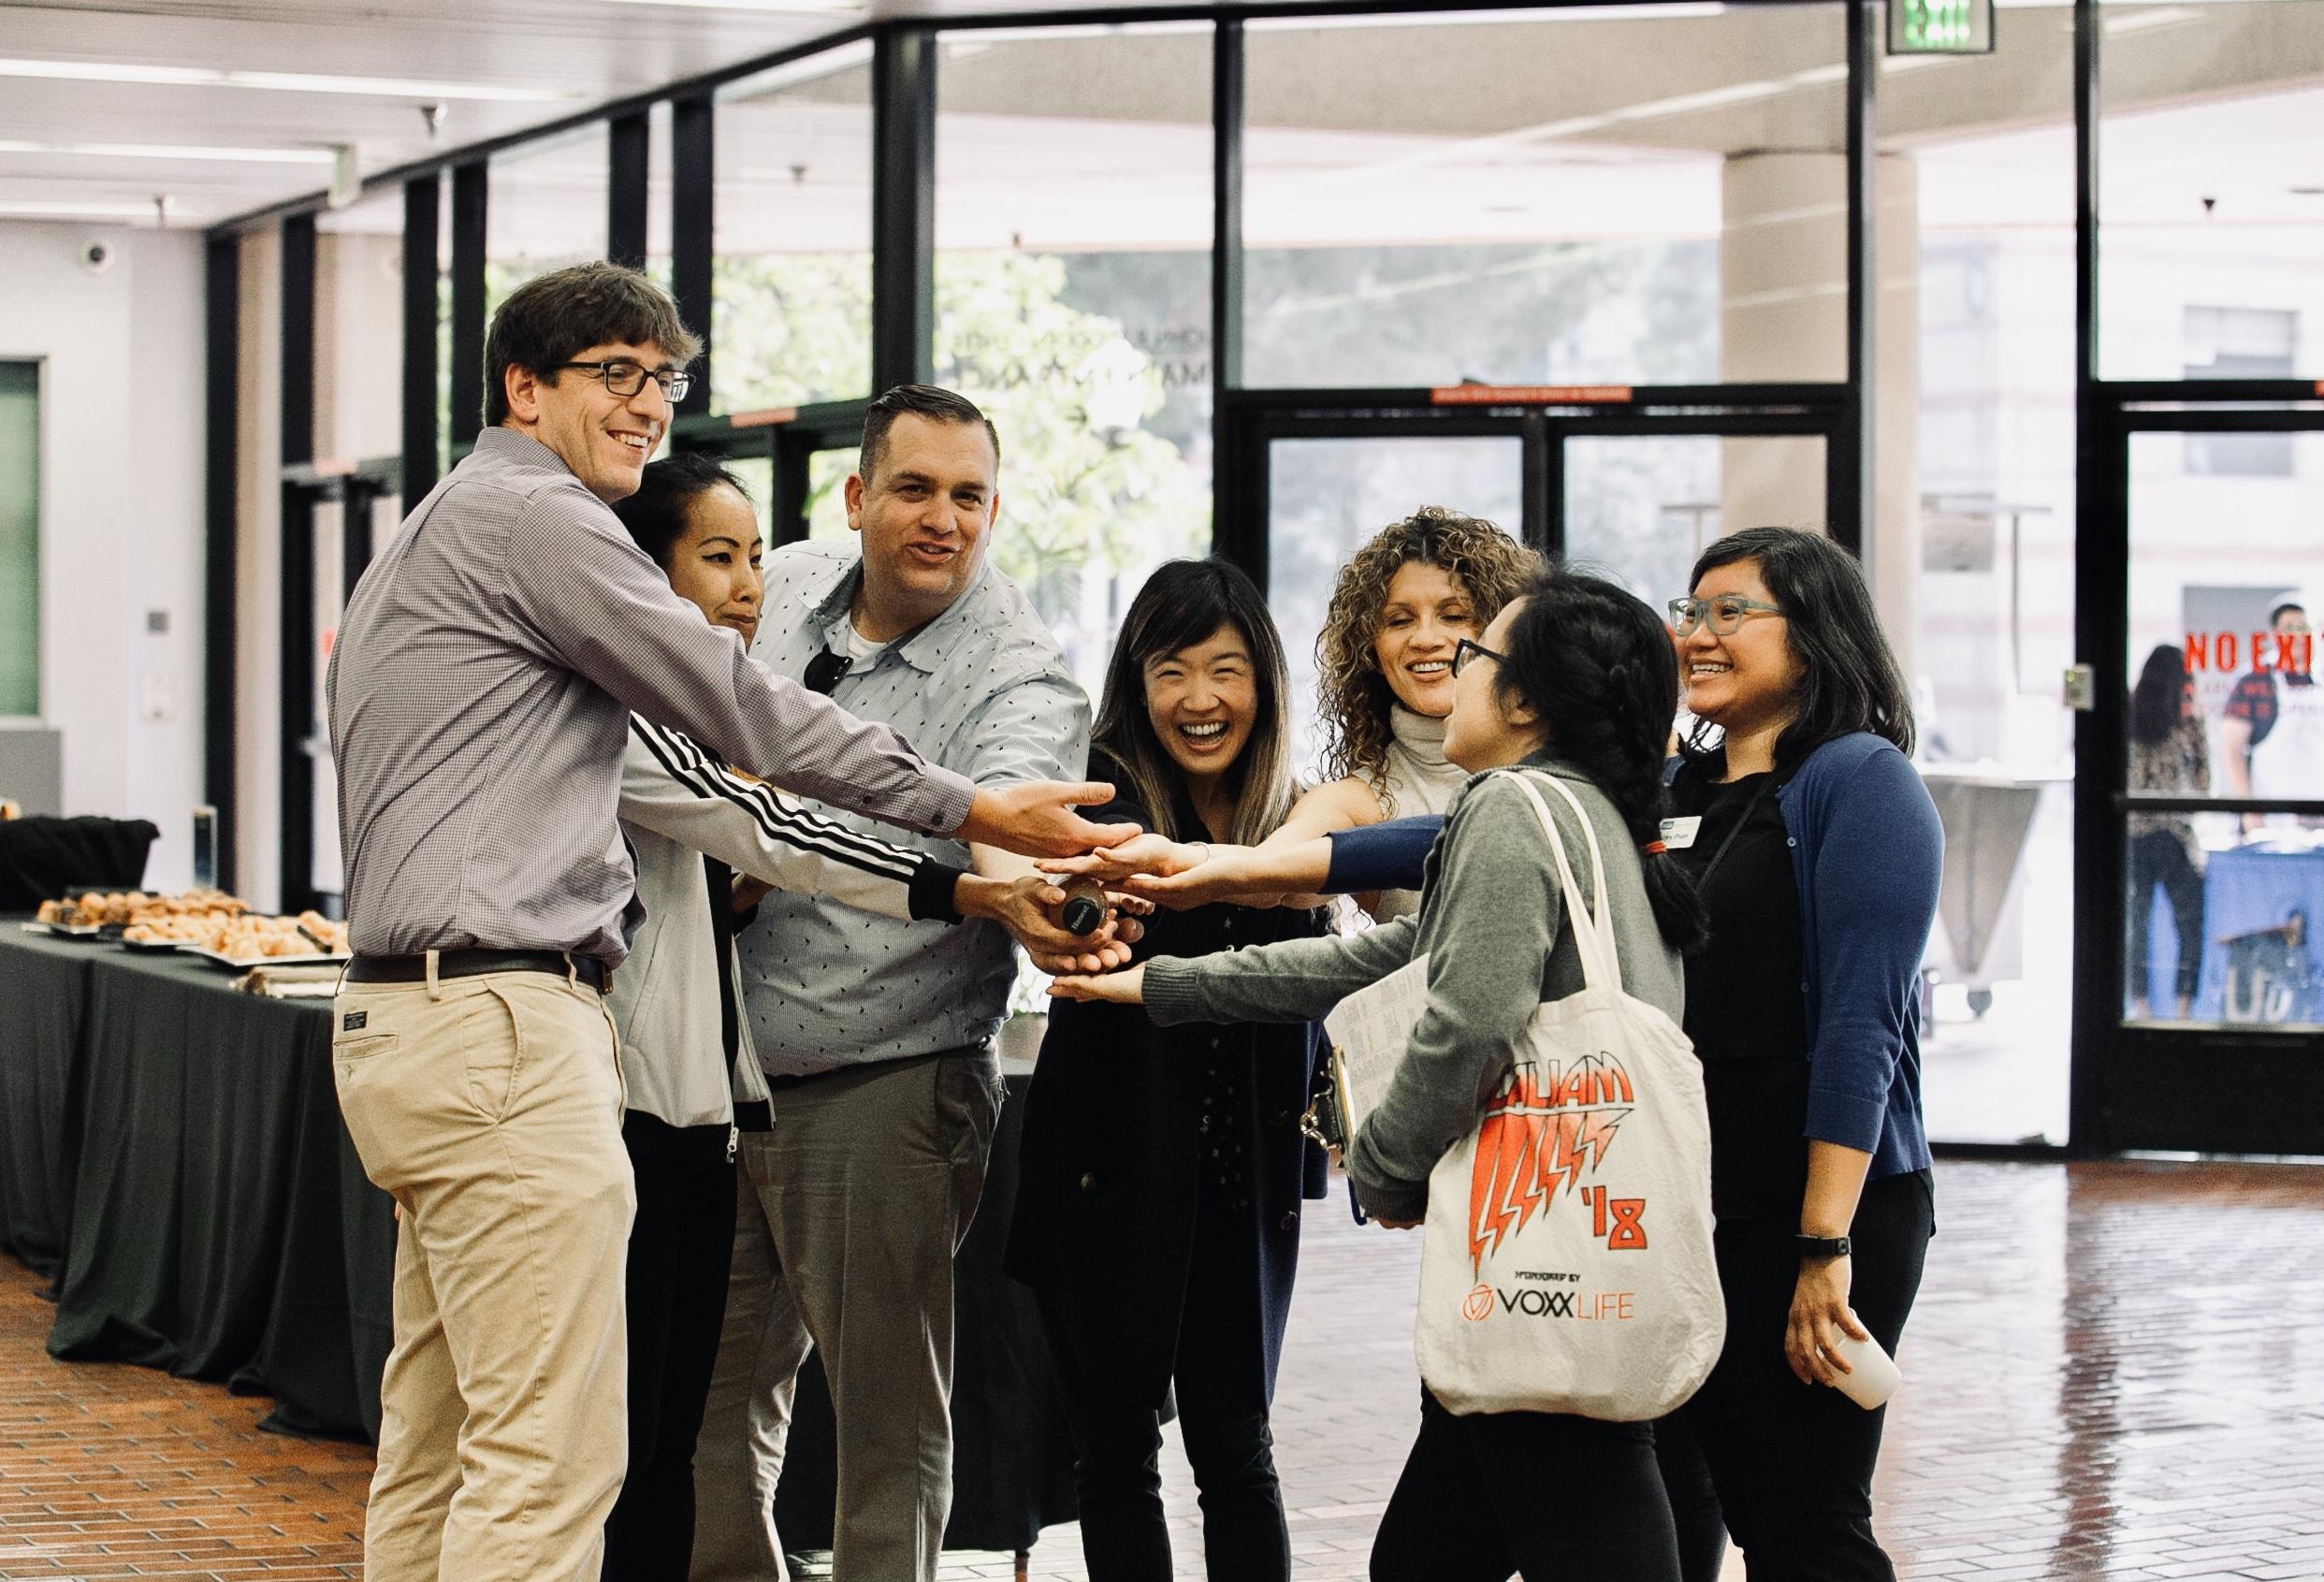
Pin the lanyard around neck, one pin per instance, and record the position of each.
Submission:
(1749, 808)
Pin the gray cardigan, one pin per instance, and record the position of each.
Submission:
(1491, 922)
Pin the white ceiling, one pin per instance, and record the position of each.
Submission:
(1081, 136)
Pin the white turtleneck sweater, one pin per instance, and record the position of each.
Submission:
(1420, 779)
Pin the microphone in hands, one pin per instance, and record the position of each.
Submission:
(1032, 909)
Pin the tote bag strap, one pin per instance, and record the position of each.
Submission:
(1593, 931)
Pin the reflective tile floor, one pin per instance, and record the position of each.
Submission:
(2115, 1371)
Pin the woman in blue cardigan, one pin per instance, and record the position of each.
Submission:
(1817, 853)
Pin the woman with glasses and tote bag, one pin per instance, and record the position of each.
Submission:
(1535, 1091)
(1816, 851)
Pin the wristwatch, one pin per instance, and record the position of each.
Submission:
(1824, 1246)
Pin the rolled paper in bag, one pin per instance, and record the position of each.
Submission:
(1874, 1377)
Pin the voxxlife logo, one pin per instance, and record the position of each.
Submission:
(1549, 1301)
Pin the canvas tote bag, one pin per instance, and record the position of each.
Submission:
(1566, 1261)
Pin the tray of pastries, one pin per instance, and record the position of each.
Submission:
(254, 939)
(107, 914)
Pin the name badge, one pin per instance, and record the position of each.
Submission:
(1679, 833)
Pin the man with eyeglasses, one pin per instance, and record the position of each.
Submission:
(479, 696)
(877, 1035)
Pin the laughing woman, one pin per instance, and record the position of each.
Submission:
(1385, 691)
(1159, 1210)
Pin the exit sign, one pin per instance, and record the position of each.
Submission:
(1939, 27)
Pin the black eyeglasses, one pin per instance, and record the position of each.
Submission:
(1462, 650)
(626, 378)
(824, 671)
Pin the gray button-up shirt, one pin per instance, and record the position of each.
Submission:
(983, 690)
(479, 695)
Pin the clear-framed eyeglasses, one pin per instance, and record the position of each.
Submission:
(1723, 614)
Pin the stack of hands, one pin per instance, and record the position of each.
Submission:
(1127, 871)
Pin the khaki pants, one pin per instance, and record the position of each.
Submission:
(490, 1109)
(850, 1210)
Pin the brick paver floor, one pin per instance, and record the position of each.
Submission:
(2115, 1371)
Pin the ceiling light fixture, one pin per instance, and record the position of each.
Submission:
(802, 6)
(173, 151)
(279, 82)
(38, 209)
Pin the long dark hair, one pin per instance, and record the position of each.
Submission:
(1849, 680)
(667, 491)
(1596, 667)
(2159, 698)
(1183, 602)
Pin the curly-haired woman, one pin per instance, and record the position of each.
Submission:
(1402, 604)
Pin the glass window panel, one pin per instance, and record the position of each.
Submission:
(443, 324)
(1328, 497)
(546, 209)
(790, 284)
(2210, 208)
(1975, 351)
(326, 520)
(1073, 282)
(1628, 195)
(659, 152)
(757, 472)
(358, 328)
(19, 538)
(1641, 508)
(2225, 703)
(827, 498)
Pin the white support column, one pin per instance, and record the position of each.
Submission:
(1785, 293)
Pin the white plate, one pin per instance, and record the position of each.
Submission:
(243, 964)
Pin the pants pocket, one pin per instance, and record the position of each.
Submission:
(562, 1048)
(969, 1092)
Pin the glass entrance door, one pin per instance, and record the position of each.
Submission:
(2216, 835)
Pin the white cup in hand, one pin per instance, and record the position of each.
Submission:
(1873, 1375)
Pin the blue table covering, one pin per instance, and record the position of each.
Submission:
(2245, 890)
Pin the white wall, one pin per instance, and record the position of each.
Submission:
(121, 514)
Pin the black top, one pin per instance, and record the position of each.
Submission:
(1128, 1126)
(1747, 1000)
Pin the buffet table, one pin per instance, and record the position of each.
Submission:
(44, 986)
(172, 1154)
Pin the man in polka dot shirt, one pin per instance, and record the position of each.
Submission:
(876, 1034)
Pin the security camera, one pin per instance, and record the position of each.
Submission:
(96, 255)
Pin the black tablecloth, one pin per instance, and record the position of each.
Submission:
(195, 1103)
(176, 1148)
(44, 986)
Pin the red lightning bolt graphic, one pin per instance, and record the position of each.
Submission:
(1529, 1144)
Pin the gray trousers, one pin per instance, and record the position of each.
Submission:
(850, 1210)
